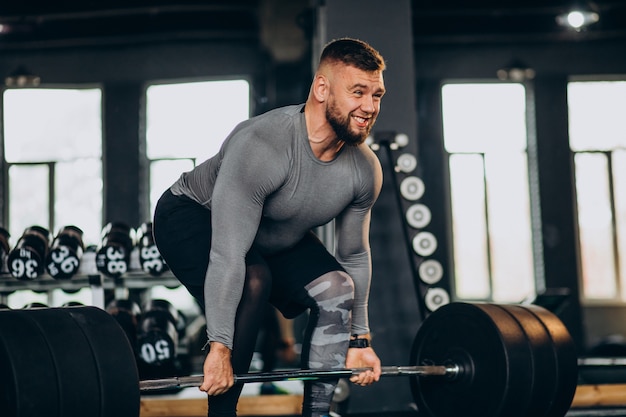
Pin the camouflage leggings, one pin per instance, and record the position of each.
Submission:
(328, 332)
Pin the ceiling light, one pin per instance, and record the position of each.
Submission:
(577, 19)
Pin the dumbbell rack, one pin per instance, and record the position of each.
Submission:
(98, 283)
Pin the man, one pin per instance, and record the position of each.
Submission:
(237, 229)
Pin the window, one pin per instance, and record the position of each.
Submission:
(485, 137)
(597, 133)
(187, 123)
(53, 147)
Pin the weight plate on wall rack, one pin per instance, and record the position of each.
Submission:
(412, 188)
(435, 298)
(418, 216)
(424, 243)
(430, 271)
(406, 163)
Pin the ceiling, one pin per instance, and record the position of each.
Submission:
(28, 24)
(461, 21)
(48, 24)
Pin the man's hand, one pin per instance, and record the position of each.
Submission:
(218, 371)
(364, 358)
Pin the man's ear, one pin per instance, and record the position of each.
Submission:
(320, 88)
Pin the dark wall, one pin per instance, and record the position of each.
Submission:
(138, 62)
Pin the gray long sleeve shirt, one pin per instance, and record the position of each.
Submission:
(265, 186)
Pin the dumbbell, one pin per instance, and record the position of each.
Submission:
(72, 304)
(34, 304)
(27, 259)
(149, 256)
(158, 334)
(5, 248)
(63, 260)
(127, 313)
(113, 254)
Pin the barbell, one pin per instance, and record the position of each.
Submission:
(466, 360)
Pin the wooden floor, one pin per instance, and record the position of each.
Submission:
(606, 395)
(587, 396)
(259, 405)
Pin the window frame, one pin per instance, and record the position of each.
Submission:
(536, 248)
(619, 299)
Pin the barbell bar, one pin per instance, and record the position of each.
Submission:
(482, 360)
(299, 375)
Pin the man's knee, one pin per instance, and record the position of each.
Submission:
(334, 289)
(258, 280)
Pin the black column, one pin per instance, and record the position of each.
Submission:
(394, 313)
(557, 195)
(121, 164)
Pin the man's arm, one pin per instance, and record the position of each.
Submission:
(250, 170)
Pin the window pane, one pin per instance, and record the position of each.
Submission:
(78, 199)
(484, 117)
(62, 127)
(469, 226)
(492, 236)
(191, 120)
(509, 226)
(596, 115)
(163, 174)
(595, 226)
(28, 194)
(52, 124)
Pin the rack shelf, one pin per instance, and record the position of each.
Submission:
(131, 280)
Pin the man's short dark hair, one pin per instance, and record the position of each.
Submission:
(353, 52)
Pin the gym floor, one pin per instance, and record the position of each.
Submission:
(604, 412)
(266, 406)
(597, 412)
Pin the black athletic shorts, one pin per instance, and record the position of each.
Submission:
(182, 231)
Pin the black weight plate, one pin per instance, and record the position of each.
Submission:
(492, 353)
(566, 359)
(77, 376)
(544, 366)
(520, 355)
(115, 361)
(28, 380)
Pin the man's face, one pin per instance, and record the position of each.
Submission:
(354, 102)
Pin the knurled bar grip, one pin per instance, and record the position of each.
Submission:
(299, 375)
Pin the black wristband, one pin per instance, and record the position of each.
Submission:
(359, 343)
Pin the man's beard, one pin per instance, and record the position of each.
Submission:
(342, 127)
